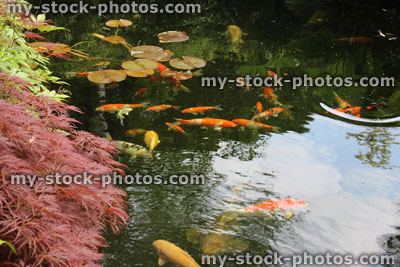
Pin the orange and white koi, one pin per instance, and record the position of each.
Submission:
(275, 205)
(112, 108)
(259, 107)
(161, 107)
(255, 125)
(176, 128)
(217, 124)
(270, 112)
(201, 110)
(135, 132)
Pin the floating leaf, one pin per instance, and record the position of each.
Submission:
(101, 37)
(187, 63)
(194, 235)
(172, 37)
(107, 76)
(140, 65)
(179, 76)
(139, 74)
(155, 53)
(118, 23)
(115, 39)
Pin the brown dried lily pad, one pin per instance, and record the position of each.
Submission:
(107, 76)
(101, 37)
(179, 76)
(172, 37)
(187, 63)
(119, 23)
(140, 65)
(115, 39)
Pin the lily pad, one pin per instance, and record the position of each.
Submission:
(107, 76)
(172, 37)
(118, 23)
(179, 76)
(139, 74)
(155, 53)
(101, 37)
(115, 39)
(187, 63)
(140, 65)
(194, 235)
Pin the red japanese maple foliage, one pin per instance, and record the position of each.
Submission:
(52, 225)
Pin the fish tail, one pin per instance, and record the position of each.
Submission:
(178, 122)
(108, 136)
(218, 107)
(276, 129)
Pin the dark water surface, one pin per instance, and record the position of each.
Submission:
(348, 172)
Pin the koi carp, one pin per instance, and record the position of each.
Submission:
(274, 112)
(275, 205)
(201, 110)
(161, 107)
(175, 128)
(135, 132)
(217, 124)
(255, 125)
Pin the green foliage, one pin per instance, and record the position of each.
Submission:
(9, 245)
(17, 58)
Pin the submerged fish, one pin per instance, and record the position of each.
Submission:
(161, 107)
(112, 108)
(201, 110)
(140, 91)
(281, 204)
(270, 96)
(259, 107)
(342, 103)
(151, 140)
(255, 125)
(235, 34)
(175, 128)
(270, 112)
(135, 132)
(170, 253)
(356, 39)
(217, 124)
(133, 149)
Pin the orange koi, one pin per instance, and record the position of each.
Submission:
(112, 108)
(82, 73)
(281, 204)
(259, 107)
(140, 91)
(135, 132)
(342, 103)
(162, 67)
(271, 73)
(161, 107)
(372, 107)
(197, 110)
(270, 112)
(217, 124)
(111, 86)
(171, 126)
(355, 111)
(240, 81)
(255, 125)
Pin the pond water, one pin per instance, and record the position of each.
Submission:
(348, 172)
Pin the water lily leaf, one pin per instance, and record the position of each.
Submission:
(114, 39)
(194, 235)
(179, 76)
(236, 246)
(187, 63)
(118, 23)
(214, 244)
(139, 74)
(172, 37)
(140, 65)
(101, 37)
(151, 52)
(107, 76)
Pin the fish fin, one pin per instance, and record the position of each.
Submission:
(204, 128)
(161, 262)
(108, 136)
(219, 107)
(276, 129)
(217, 128)
(198, 72)
(178, 107)
(177, 122)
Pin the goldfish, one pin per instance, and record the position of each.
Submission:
(342, 103)
(135, 132)
(133, 149)
(270, 112)
(161, 107)
(82, 73)
(259, 107)
(270, 96)
(140, 91)
(235, 34)
(240, 82)
(170, 253)
(273, 205)
(217, 124)
(177, 85)
(162, 67)
(175, 128)
(271, 73)
(255, 125)
(201, 110)
(111, 86)
(151, 140)
(120, 109)
(356, 39)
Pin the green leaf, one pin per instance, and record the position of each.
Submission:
(10, 245)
